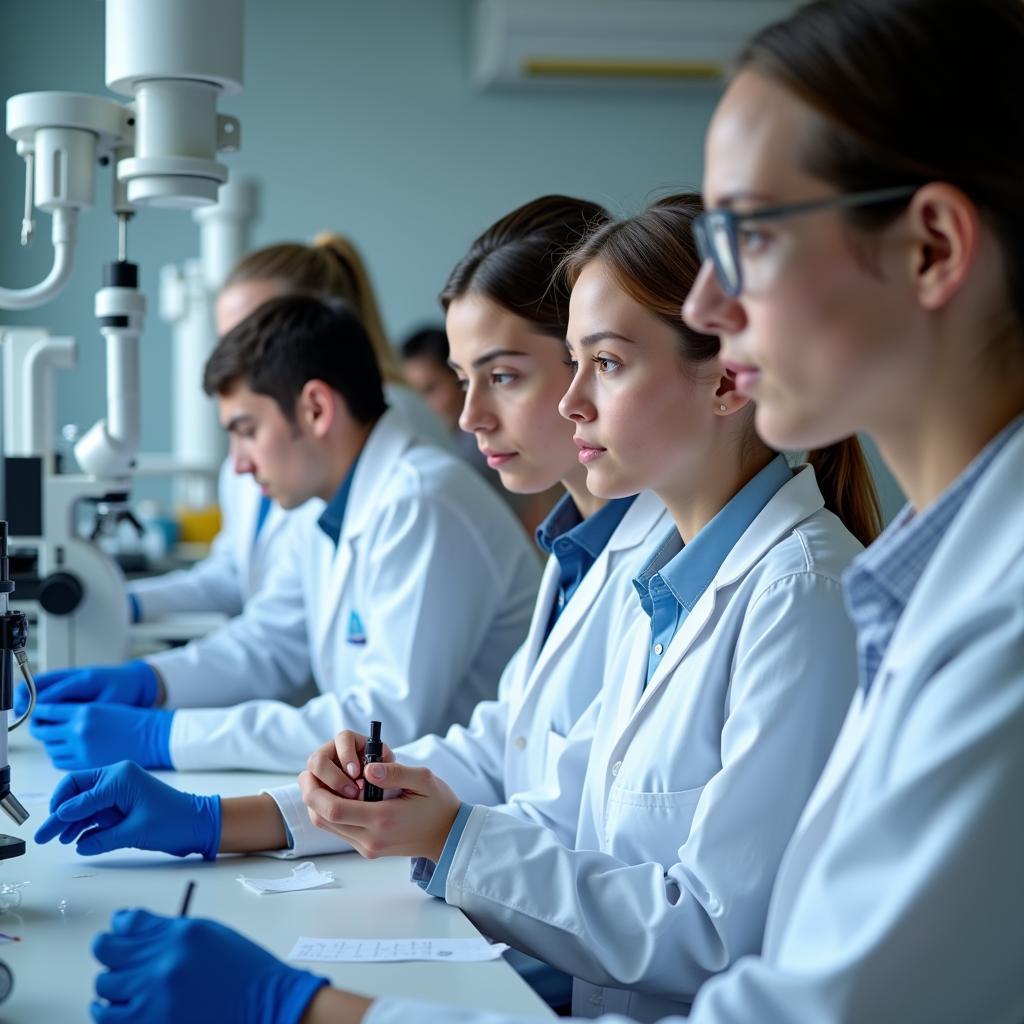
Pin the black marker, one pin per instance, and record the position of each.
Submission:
(187, 899)
(374, 754)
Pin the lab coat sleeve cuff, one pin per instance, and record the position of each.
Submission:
(432, 878)
(305, 839)
(461, 851)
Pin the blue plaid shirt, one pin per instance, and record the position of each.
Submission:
(878, 584)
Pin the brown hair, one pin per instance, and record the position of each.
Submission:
(514, 263)
(870, 69)
(330, 268)
(654, 259)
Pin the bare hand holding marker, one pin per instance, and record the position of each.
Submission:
(337, 765)
(413, 822)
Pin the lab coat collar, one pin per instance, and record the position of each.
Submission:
(391, 436)
(633, 530)
(795, 501)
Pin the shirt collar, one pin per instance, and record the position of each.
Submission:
(900, 554)
(333, 516)
(564, 522)
(688, 570)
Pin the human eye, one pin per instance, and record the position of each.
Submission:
(463, 383)
(501, 378)
(605, 363)
(571, 363)
(751, 239)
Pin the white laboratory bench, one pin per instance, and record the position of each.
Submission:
(70, 899)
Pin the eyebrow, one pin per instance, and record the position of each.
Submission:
(593, 339)
(487, 357)
(237, 421)
(731, 198)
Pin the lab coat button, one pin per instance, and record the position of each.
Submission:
(520, 742)
(659, 648)
(615, 768)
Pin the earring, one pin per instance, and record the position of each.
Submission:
(722, 407)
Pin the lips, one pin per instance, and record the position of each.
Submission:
(497, 459)
(588, 451)
(744, 376)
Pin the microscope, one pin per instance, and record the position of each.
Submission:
(13, 639)
(173, 58)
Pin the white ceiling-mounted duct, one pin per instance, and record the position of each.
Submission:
(522, 43)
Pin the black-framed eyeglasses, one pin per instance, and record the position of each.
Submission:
(717, 231)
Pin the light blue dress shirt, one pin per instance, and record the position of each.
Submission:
(674, 579)
(878, 584)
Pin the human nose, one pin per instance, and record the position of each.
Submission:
(240, 457)
(476, 413)
(576, 404)
(708, 309)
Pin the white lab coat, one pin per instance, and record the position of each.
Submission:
(236, 567)
(694, 784)
(409, 620)
(900, 897)
(234, 570)
(534, 739)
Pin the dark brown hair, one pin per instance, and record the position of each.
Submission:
(294, 339)
(515, 262)
(871, 68)
(653, 257)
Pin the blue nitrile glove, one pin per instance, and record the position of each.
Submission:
(92, 735)
(122, 805)
(165, 970)
(134, 683)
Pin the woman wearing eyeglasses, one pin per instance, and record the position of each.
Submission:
(865, 271)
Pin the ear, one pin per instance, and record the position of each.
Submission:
(317, 408)
(946, 226)
(726, 398)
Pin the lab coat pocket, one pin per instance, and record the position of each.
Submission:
(649, 825)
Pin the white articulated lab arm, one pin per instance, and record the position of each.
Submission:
(173, 58)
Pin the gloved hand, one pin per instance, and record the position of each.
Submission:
(166, 970)
(134, 683)
(122, 805)
(91, 735)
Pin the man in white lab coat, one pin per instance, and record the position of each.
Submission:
(403, 587)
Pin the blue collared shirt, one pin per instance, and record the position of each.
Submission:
(333, 516)
(672, 582)
(261, 516)
(577, 543)
(878, 584)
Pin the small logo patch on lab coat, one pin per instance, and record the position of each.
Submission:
(356, 633)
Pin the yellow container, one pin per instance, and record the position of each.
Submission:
(198, 525)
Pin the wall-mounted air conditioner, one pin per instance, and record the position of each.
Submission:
(521, 43)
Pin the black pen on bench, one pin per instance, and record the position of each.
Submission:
(187, 899)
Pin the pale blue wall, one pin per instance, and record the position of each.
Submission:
(357, 116)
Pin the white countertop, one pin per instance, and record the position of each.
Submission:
(70, 899)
